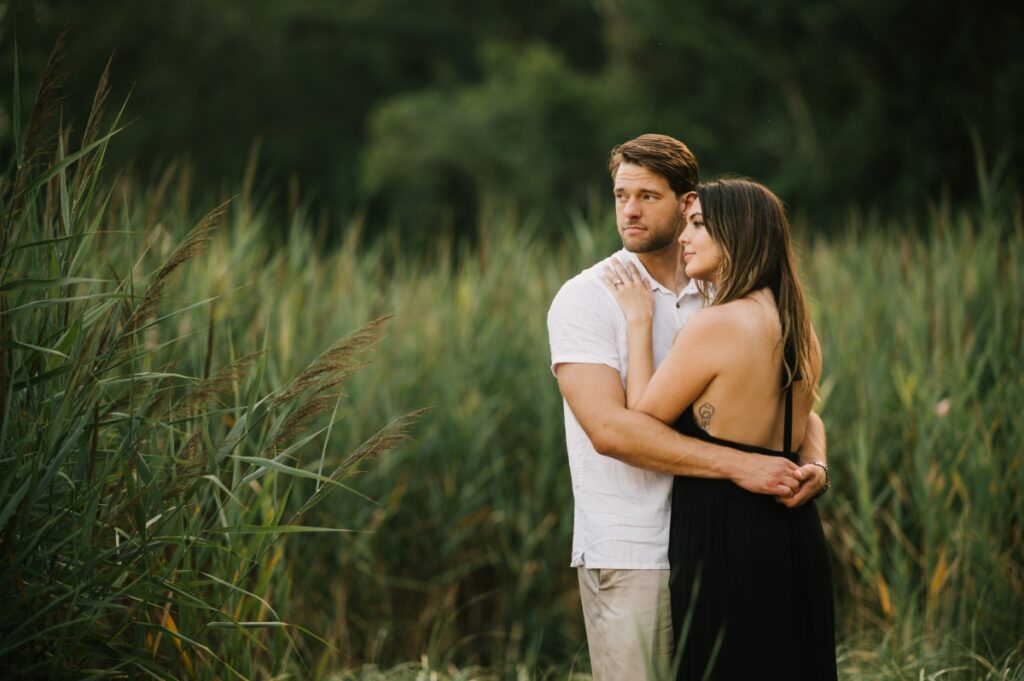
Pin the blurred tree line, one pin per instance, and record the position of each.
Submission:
(433, 115)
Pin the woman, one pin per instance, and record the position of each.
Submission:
(751, 583)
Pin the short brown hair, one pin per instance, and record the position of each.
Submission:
(661, 154)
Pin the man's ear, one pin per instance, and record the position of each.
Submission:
(686, 200)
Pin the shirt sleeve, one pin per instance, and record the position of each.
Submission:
(582, 328)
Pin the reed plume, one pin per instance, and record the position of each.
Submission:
(339, 359)
(193, 245)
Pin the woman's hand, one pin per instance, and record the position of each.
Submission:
(812, 480)
(631, 291)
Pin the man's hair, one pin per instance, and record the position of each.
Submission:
(660, 154)
(749, 224)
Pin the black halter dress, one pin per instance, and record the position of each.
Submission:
(751, 583)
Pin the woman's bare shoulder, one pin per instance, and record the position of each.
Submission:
(728, 318)
(718, 331)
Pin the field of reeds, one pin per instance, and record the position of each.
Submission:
(206, 469)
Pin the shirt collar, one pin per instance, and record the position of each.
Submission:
(629, 256)
(690, 289)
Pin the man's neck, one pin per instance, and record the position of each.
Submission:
(666, 267)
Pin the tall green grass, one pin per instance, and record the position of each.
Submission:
(458, 565)
(466, 562)
(148, 470)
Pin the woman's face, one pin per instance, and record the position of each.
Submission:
(701, 253)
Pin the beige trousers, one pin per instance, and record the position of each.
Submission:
(629, 623)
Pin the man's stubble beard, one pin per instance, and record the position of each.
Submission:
(658, 241)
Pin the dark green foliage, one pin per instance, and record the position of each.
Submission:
(428, 114)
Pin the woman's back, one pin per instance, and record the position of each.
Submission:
(744, 402)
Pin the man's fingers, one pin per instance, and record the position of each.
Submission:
(789, 475)
(771, 475)
(784, 486)
(782, 491)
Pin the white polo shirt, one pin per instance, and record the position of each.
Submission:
(622, 512)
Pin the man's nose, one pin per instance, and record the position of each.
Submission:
(632, 207)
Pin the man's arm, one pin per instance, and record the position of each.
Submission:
(594, 393)
(812, 449)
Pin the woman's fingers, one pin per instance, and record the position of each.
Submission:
(630, 290)
(620, 271)
(812, 481)
(624, 274)
(613, 283)
(616, 275)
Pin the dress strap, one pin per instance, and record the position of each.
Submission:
(787, 433)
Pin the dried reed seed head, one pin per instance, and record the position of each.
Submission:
(99, 101)
(221, 383)
(339, 379)
(390, 436)
(302, 417)
(340, 357)
(192, 246)
(92, 127)
(46, 104)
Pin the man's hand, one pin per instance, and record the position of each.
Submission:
(812, 482)
(763, 474)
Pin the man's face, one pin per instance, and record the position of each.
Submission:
(647, 212)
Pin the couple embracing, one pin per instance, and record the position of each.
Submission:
(688, 367)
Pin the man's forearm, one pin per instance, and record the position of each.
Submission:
(595, 395)
(645, 442)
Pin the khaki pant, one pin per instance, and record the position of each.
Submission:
(629, 623)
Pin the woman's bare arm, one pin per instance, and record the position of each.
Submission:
(637, 302)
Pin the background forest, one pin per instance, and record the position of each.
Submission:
(274, 388)
(424, 115)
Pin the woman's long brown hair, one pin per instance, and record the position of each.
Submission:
(749, 224)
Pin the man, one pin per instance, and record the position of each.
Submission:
(622, 461)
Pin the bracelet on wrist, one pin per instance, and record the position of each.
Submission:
(828, 480)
